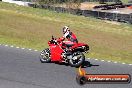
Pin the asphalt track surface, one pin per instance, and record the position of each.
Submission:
(21, 68)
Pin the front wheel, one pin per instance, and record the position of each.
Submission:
(77, 59)
(45, 56)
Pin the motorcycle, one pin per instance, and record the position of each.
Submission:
(73, 54)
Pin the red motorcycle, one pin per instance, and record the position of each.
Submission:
(64, 52)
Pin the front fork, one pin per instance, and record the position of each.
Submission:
(66, 56)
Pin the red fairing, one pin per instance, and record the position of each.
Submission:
(78, 45)
(49, 43)
(73, 36)
(61, 39)
(56, 52)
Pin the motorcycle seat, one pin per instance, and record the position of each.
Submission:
(69, 45)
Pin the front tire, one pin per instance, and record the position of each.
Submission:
(77, 59)
(45, 56)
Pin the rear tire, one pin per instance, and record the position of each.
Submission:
(80, 58)
(45, 56)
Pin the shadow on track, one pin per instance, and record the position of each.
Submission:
(88, 64)
(84, 65)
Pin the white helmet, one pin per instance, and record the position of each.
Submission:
(65, 29)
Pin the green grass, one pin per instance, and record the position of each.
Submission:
(32, 28)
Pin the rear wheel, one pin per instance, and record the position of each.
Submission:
(45, 56)
(77, 59)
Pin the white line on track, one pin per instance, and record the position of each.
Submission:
(30, 49)
(115, 62)
(108, 61)
(123, 63)
(6, 45)
(22, 48)
(11, 46)
(17, 47)
(35, 50)
(102, 60)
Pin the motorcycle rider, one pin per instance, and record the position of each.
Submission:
(72, 39)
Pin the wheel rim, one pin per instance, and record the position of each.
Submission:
(76, 59)
(45, 56)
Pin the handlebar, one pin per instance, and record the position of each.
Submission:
(52, 37)
(54, 40)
